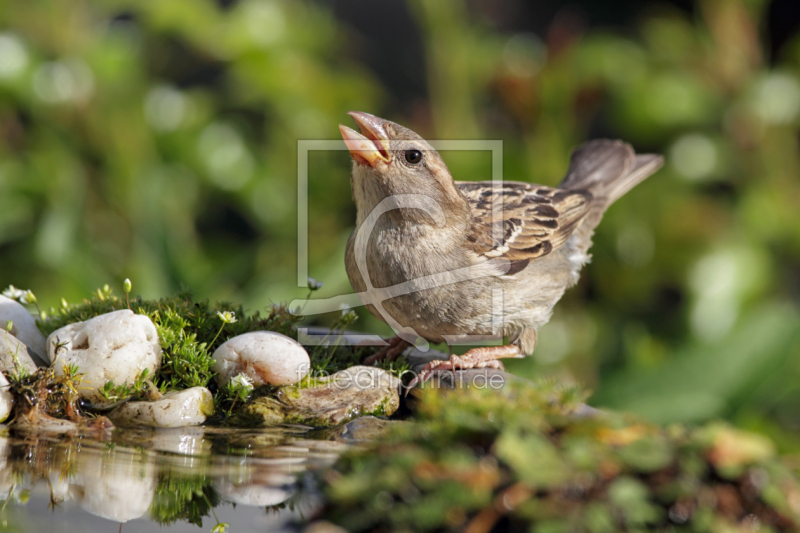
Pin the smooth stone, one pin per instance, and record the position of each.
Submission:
(266, 357)
(24, 325)
(6, 398)
(348, 394)
(11, 346)
(116, 346)
(188, 407)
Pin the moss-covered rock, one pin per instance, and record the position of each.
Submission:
(350, 393)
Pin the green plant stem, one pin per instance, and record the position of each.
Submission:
(210, 344)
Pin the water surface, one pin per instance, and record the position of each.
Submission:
(186, 479)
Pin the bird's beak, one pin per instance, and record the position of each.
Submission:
(371, 146)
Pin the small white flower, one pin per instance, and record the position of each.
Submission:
(346, 310)
(314, 285)
(241, 380)
(229, 317)
(16, 294)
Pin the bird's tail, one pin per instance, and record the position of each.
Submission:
(608, 169)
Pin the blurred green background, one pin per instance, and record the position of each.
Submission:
(157, 140)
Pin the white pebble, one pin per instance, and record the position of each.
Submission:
(265, 357)
(6, 398)
(24, 325)
(117, 346)
(188, 407)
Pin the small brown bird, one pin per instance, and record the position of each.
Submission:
(488, 259)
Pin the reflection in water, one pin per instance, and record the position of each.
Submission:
(119, 486)
(167, 476)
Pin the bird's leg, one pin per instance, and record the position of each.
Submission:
(390, 352)
(474, 358)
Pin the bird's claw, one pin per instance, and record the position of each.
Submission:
(456, 362)
(474, 358)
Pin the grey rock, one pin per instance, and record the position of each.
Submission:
(10, 347)
(351, 393)
(24, 325)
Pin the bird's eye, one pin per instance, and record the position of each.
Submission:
(413, 156)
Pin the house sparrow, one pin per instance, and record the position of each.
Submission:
(522, 245)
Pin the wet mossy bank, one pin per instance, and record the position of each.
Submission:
(527, 458)
(189, 331)
(524, 457)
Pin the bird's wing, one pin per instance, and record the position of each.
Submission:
(534, 219)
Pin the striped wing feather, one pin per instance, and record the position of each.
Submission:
(532, 220)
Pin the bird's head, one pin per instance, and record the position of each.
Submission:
(389, 159)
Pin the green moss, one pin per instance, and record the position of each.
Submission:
(382, 409)
(187, 329)
(530, 459)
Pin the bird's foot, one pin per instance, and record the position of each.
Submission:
(390, 352)
(474, 358)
